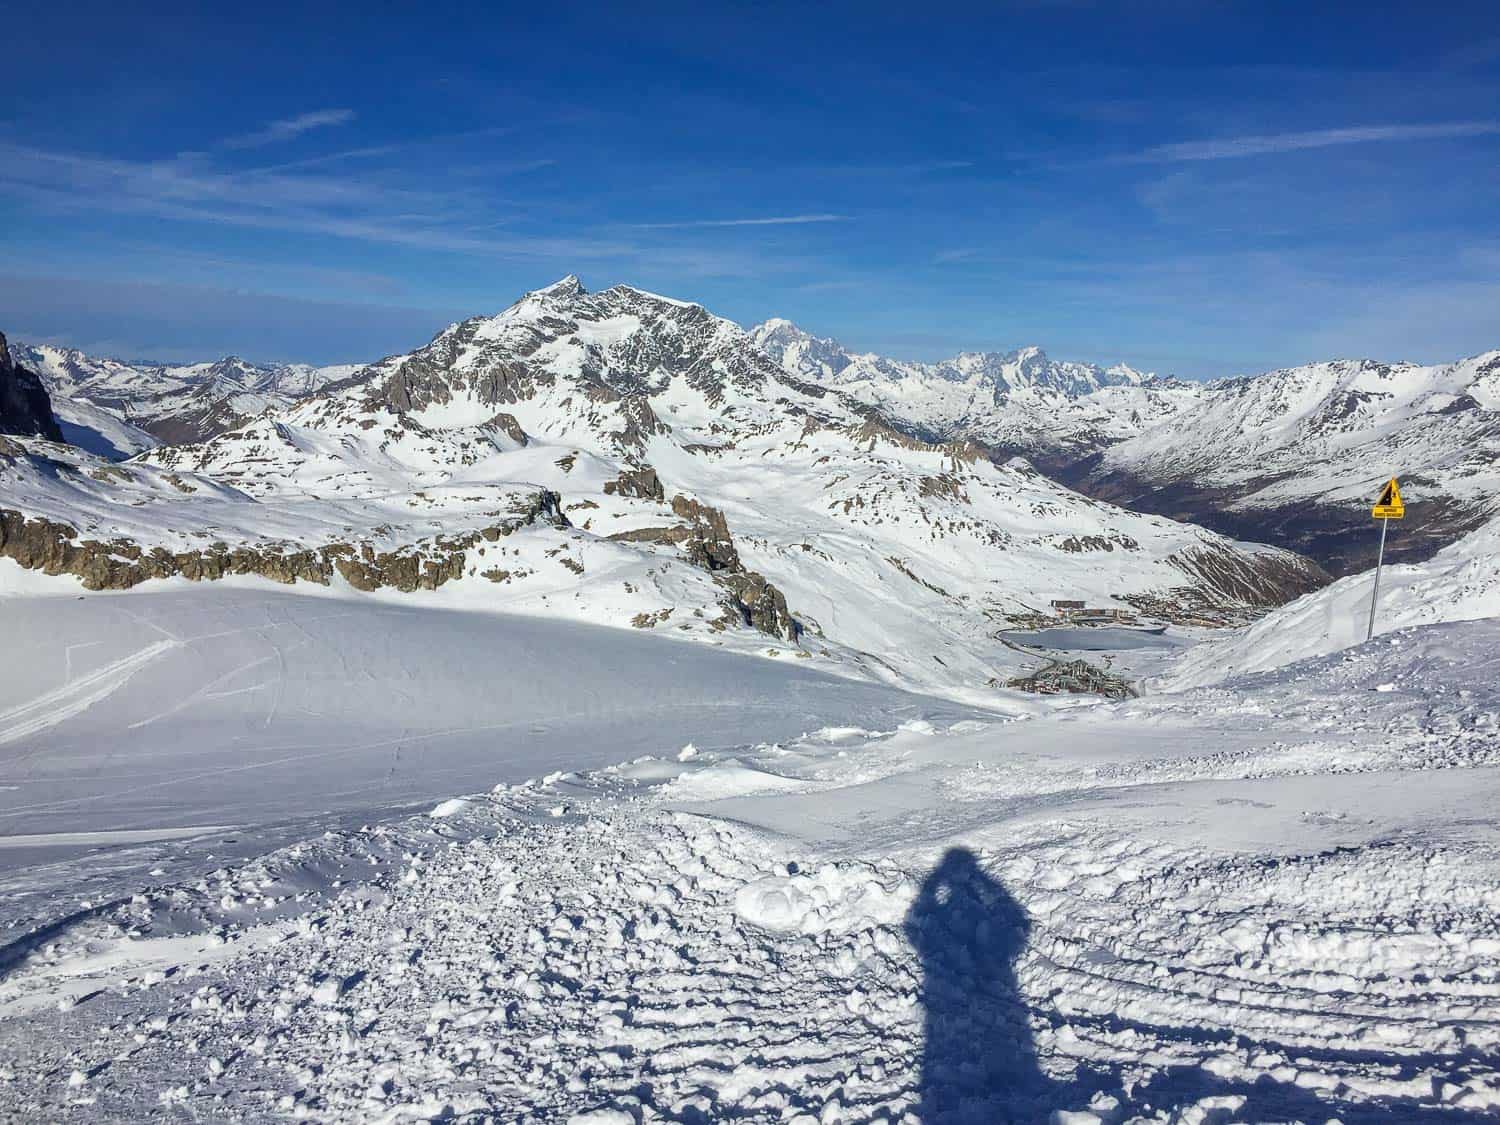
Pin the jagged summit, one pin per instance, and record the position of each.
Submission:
(568, 286)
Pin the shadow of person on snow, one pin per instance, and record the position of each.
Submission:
(979, 1060)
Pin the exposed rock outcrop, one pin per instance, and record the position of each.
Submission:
(55, 548)
(25, 407)
(1263, 581)
(705, 541)
(709, 545)
(641, 483)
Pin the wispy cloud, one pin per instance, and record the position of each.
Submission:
(1228, 148)
(772, 221)
(362, 209)
(958, 254)
(290, 128)
(364, 153)
(370, 151)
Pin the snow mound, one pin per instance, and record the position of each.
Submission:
(838, 898)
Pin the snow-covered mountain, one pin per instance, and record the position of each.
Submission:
(1291, 457)
(186, 402)
(1002, 373)
(1054, 412)
(1297, 456)
(630, 459)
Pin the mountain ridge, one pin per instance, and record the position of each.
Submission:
(174, 402)
(1153, 443)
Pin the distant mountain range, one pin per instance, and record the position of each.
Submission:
(1052, 412)
(626, 458)
(186, 402)
(1291, 457)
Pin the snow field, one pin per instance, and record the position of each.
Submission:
(1152, 932)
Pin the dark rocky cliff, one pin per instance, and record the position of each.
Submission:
(25, 408)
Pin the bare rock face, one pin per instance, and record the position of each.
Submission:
(709, 545)
(1264, 581)
(761, 605)
(508, 425)
(55, 548)
(24, 406)
(641, 483)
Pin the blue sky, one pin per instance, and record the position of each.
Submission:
(1200, 188)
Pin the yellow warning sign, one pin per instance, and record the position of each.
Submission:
(1390, 506)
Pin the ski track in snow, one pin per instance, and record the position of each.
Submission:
(76, 695)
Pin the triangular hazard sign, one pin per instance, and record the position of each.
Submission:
(1390, 506)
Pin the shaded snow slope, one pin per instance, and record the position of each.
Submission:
(1459, 583)
(214, 705)
(99, 431)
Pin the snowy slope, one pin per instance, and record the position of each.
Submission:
(1459, 583)
(668, 436)
(322, 703)
(98, 430)
(1268, 902)
(182, 402)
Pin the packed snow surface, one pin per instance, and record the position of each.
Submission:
(728, 889)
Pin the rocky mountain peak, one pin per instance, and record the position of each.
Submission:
(799, 351)
(564, 288)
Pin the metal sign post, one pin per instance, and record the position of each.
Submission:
(1389, 507)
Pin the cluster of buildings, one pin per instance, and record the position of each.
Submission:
(1079, 613)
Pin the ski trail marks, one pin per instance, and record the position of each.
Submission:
(77, 695)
